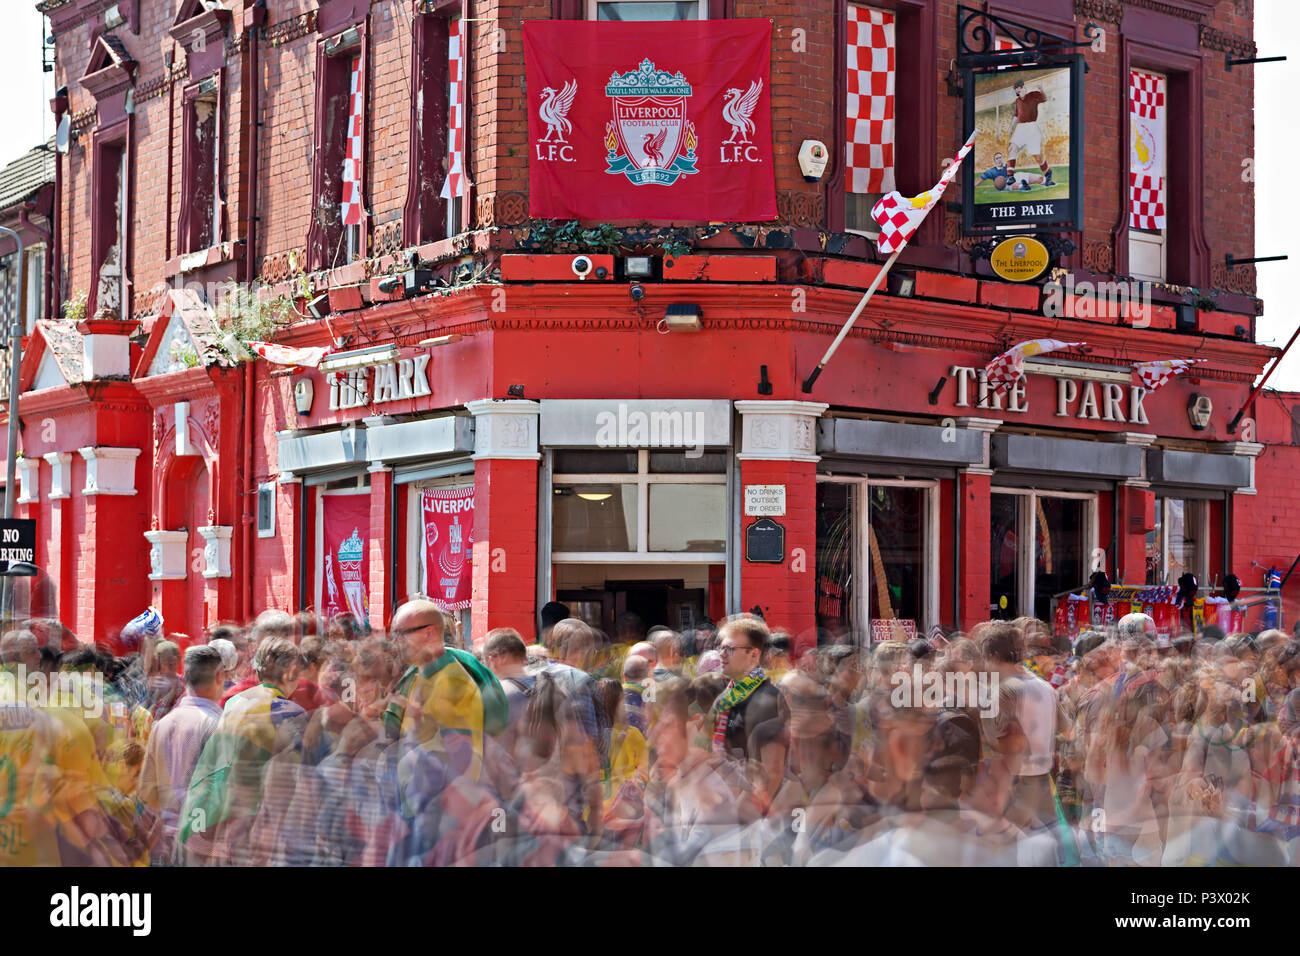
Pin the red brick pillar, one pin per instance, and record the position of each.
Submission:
(382, 566)
(778, 446)
(505, 516)
(113, 552)
(1127, 563)
(61, 565)
(974, 530)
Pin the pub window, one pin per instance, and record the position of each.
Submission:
(337, 234)
(1039, 548)
(432, 212)
(436, 559)
(1179, 542)
(34, 291)
(877, 559)
(651, 505)
(110, 228)
(627, 10)
(869, 114)
(1148, 175)
(200, 214)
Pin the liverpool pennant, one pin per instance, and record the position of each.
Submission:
(662, 121)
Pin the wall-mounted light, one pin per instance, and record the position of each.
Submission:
(638, 267)
(1084, 371)
(681, 317)
(515, 391)
(440, 340)
(359, 358)
(595, 495)
(901, 284)
(319, 306)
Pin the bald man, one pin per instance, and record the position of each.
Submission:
(444, 690)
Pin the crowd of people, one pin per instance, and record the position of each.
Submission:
(293, 743)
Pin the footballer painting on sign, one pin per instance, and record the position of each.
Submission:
(1024, 121)
(1026, 168)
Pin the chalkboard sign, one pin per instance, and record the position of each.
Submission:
(17, 542)
(765, 542)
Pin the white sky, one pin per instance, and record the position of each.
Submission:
(25, 121)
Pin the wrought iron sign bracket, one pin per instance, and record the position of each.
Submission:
(1057, 246)
(977, 32)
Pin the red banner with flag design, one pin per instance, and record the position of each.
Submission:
(448, 545)
(645, 120)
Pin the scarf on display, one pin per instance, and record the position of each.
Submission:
(737, 693)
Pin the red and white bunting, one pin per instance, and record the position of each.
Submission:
(288, 354)
(1155, 374)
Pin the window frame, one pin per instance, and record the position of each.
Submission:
(186, 240)
(642, 478)
(860, 506)
(328, 244)
(1026, 563)
(703, 6)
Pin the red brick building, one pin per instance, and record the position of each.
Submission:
(610, 461)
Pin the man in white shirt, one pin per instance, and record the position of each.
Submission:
(176, 742)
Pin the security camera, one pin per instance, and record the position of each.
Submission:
(637, 293)
(390, 284)
(581, 267)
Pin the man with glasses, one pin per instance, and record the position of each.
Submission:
(750, 699)
(445, 693)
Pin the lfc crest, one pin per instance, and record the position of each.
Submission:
(650, 140)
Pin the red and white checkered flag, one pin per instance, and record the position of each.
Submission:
(287, 354)
(1005, 370)
(454, 185)
(869, 164)
(352, 202)
(1155, 374)
(899, 216)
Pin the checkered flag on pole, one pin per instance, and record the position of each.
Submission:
(899, 217)
(1005, 370)
(288, 354)
(1155, 374)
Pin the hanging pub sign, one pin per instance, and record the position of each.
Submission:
(1019, 258)
(645, 120)
(1026, 168)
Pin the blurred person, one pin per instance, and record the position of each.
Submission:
(552, 613)
(165, 684)
(444, 694)
(749, 698)
(176, 742)
(573, 647)
(777, 660)
(306, 624)
(226, 789)
(309, 695)
(636, 674)
(669, 652)
(506, 655)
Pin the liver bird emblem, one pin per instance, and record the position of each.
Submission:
(738, 109)
(654, 148)
(554, 111)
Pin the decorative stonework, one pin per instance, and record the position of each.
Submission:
(801, 209)
(501, 209)
(216, 551)
(1098, 256)
(986, 427)
(288, 30)
(1236, 46)
(505, 428)
(29, 478)
(779, 431)
(1168, 9)
(60, 474)
(167, 555)
(109, 471)
(1102, 11)
(1240, 279)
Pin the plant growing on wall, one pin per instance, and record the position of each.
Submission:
(550, 235)
(74, 308)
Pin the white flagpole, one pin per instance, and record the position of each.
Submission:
(871, 289)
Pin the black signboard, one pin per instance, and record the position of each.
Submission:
(17, 542)
(765, 542)
(1026, 166)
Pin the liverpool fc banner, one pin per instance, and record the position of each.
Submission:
(650, 120)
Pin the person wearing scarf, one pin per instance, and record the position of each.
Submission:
(749, 698)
